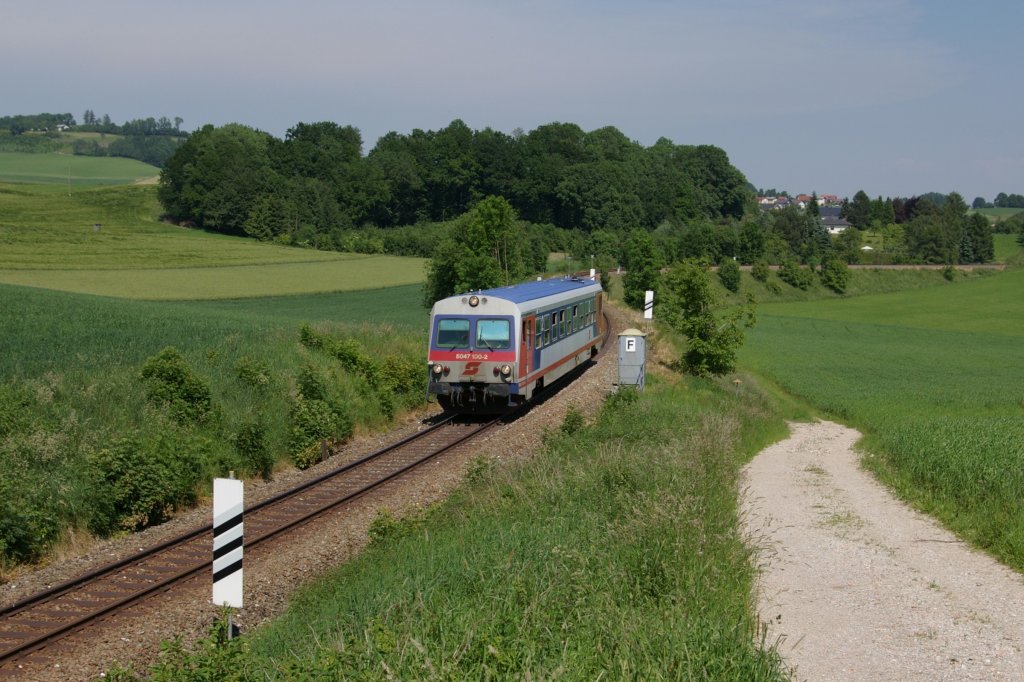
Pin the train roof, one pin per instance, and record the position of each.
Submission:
(529, 291)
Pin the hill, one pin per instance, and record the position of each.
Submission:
(68, 170)
(109, 241)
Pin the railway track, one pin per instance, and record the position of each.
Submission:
(39, 621)
(36, 625)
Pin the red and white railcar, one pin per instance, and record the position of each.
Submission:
(496, 348)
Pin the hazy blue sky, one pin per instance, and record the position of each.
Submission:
(896, 97)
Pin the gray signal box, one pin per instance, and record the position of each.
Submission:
(632, 359)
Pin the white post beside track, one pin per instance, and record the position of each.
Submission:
(227, 542)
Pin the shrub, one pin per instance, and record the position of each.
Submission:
(140, 480)
(312, 383)
(835, 274)
(250, 443)
(760, 271)
(313, 421)
(624, 396)
(792, 274)
(573, 420)
(405, 378)
(254, 373)
(172, 384)
(729, 273)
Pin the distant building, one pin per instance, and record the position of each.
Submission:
(835, 224)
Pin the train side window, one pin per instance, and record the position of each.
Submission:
(575, 318)
(547, 329)
(538, 332)
(561, 323)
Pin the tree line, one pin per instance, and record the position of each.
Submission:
(316, 182)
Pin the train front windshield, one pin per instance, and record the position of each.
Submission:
(453, 333)
(492, 334)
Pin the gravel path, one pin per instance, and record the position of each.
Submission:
(858, 586)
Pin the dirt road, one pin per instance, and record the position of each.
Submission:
(861, 587)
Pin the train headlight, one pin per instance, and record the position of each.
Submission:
(437, 369)
(506, 371)
(474, 301)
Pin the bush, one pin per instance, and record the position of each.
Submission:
(141, 480)
(796, 276)
(729, 273)
(254, 373)
(760, 271)
(172, 384)
(250, 442)
(835, 275)
(312, 384)
(313, 421)
(573, 420)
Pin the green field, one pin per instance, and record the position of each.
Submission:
(76, 171)
(79, 409)
(1008, 249)
(998, 213)
(935, 377)
(108, 241)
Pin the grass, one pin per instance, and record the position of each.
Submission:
(50, 240)
(77, 171)
(613, 554)
(72, 392)
(998, 213)
(1007, 248)
(51, 331)
(934, 379)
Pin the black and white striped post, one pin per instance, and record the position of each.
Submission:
(227, 544)
(648, 308)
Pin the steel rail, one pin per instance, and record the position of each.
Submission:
(169, 580)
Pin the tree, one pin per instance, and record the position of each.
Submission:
(642, 268)
(977, 245)
(858, 211)
(812, 206)
(690, 305)
(214, 179)
(729, 273)
(979, 202)
(482, 251)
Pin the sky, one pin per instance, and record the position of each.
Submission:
(894, 97)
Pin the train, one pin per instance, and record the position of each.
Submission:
(495, 349)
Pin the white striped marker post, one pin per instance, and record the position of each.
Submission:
(227, 542)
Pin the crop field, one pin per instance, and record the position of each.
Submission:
(935, 377)
(66, 169)
(998, 213)
(1007, 247)
(109, 242)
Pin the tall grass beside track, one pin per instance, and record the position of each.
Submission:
(75, 408)
(615, 553)
(935, 377)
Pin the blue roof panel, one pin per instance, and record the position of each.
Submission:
(528, 291)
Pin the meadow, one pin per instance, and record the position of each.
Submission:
(68, 170)
(935, 378)
(116, 409)
(108, 241)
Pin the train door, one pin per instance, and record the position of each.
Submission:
(526, 347)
